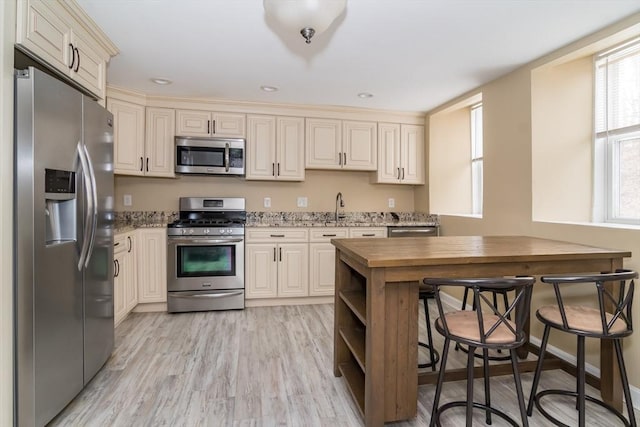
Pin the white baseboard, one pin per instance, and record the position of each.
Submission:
(567, 357)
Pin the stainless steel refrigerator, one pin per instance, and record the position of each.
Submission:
(63, 243)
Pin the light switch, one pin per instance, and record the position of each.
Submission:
(127, 200)
(392, 202)
(302, 202)
(267, 202)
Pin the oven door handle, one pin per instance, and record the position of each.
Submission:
(201, 294)
(197, 242)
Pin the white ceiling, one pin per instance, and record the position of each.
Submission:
(412, 55)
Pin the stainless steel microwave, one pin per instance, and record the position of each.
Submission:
(211, 156)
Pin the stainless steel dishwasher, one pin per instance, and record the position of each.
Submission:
(413, 231)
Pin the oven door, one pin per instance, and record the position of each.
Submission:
(201, 263)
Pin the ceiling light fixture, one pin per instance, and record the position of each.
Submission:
(365, 95)
(269, 88)
(307, 16)
(161, 81)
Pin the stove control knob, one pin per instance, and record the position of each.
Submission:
(206, 231)
(223, 230)
(191, 231)
(184, 231)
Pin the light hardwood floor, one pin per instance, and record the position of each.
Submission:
(268, 366)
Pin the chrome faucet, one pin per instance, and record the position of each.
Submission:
(339, 206)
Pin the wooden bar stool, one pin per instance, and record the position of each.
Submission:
(584, 322)
(486, 328)
(426, 293)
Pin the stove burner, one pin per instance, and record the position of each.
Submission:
(205, 223)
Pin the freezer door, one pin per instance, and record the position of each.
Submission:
(48, 284)
(98, 274)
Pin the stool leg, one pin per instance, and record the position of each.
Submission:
(536, 376)
(436, 398)
(464, 307)
(487, 390)
(470, 361)
(516, 378)
(625, 383)
(432, 357)
(581, 381)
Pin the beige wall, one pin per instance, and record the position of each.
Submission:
(7, 38)
(320, 188)
(508, 183)
(562, 142)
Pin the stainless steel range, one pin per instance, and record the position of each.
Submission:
(205, 268)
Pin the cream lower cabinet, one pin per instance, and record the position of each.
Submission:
(322, 255)
(151, 244)
(125, 292)
(277, 263)
(363, 232)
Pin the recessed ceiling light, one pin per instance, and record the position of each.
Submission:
(161, 81)
(269, 88)
(365, 95)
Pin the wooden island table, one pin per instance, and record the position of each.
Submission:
(376, 307)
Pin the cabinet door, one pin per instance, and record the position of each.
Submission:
(119, 279)
(389, 153)
(412, 154)
(43, 33)
(159, 142)
(193, 123)
(261, 271)
(322, 269)
(293, 269)
(290, 148)
(128, 269)
(228, 125)
(89, 69)
(261, 147)
(323, 144)
(360, 145)
(128, 137)
(151, 246)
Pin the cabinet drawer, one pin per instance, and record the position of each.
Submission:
(275, 235)
(120, 243)
(325, 234)
(368, 232)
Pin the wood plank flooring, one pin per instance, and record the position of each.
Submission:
(266, 366)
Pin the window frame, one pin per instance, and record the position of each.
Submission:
(477, 161)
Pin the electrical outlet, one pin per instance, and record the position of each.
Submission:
(128, 201)
(267, 202)
(302, 202)
(392, 202)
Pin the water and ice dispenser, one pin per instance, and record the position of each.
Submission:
(60, 206)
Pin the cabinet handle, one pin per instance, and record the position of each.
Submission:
(147, 164)
(277, 235)
(78, 64)
(130, 244)
(208, 126)
(368, 234)
(214, 127)
(273, 169)
(274, 254)
(141, 163)
(402, 173)
(280, 254)
(116, 268)
(329, 235)
(278, 168)
(116, 244)
(345, 159)
(399, 173)
(73, 56)
(340, 159)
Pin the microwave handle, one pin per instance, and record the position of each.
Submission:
(226, 157)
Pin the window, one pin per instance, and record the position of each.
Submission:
(476, 159)
(617, 137)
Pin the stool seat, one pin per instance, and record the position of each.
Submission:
(464, 324)
(579, 318)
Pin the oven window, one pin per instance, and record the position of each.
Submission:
(202, 261)
(200, 156)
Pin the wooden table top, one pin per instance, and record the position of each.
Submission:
(415, 251)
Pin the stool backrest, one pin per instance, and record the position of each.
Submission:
(518, 309)
(613, 306)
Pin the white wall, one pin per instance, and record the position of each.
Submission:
(7, 38)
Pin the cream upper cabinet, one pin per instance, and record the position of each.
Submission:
(401, 154)
(275, 148)
(159, 141)
(337, 144)
(151, 250)
(205, 124)
(128, 137)
(62, 35)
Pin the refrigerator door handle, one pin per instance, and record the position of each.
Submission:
(93, 208)
(87, 222)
